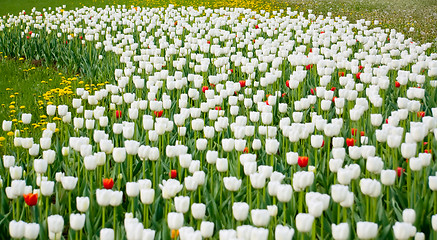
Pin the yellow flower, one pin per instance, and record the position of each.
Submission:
(13, 111)
(43, 116)
(22, 107)
(56, 130)
(14, 120)
(21, 59)
(12, 96)
(20, 121)
(10, 134)
(11, 106)
(2, 139)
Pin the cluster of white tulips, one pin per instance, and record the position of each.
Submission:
(227, 124)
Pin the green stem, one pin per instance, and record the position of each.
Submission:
(103, 216)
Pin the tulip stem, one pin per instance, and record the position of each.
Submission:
(313, 235)
(257, 197)
(114, 221)
(435, 202)
(118, 174)
(69, 203)
(285, 213)
(146, 215)
(321, 226)
(153, 173)
(344, 214)
(130, 167)
(47, 207)
(103, 216)
(409, 185)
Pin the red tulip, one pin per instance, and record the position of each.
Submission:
(350, 142)
(287, 83)
(362, 133)
(158, 113)
(353, 131)
(284, 94)
(204, 88)
(256, 26)
(31, 198)
(108, 183)
(118, 113)
(399, 171)
(313, 91)
(428, 151)
(341, 74)
(333, 99)
(302, 161)
(358, 75)
(333, 88)
(30, 32)
(397, 84)
(208, 42)
(218, 108)
(360, 67)
(421, 114)
(173, 174)
(246, 150)
(309, 66)
(232, 71)
(242, 83)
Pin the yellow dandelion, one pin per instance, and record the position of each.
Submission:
(22, 107)
(2, 139)
(12, 111)
(12, 96)
(43, 116)
(10, 134)
(11, 106)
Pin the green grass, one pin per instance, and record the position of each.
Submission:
(23, 86)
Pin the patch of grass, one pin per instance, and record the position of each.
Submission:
(27, 88)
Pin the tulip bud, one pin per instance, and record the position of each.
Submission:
(409, 216)
(367, 230)
(106, 234)
(207, 229)
(340, 231)
(82, 204)
(182, 204)
(16, 229)
(55, 223)
(132, 189)
(31, 231)
(388, 177)
(198, 210)
(240, 210)
(175, 220)
(304, 222)
(147, 196)
(260, 217)
(77, 221)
